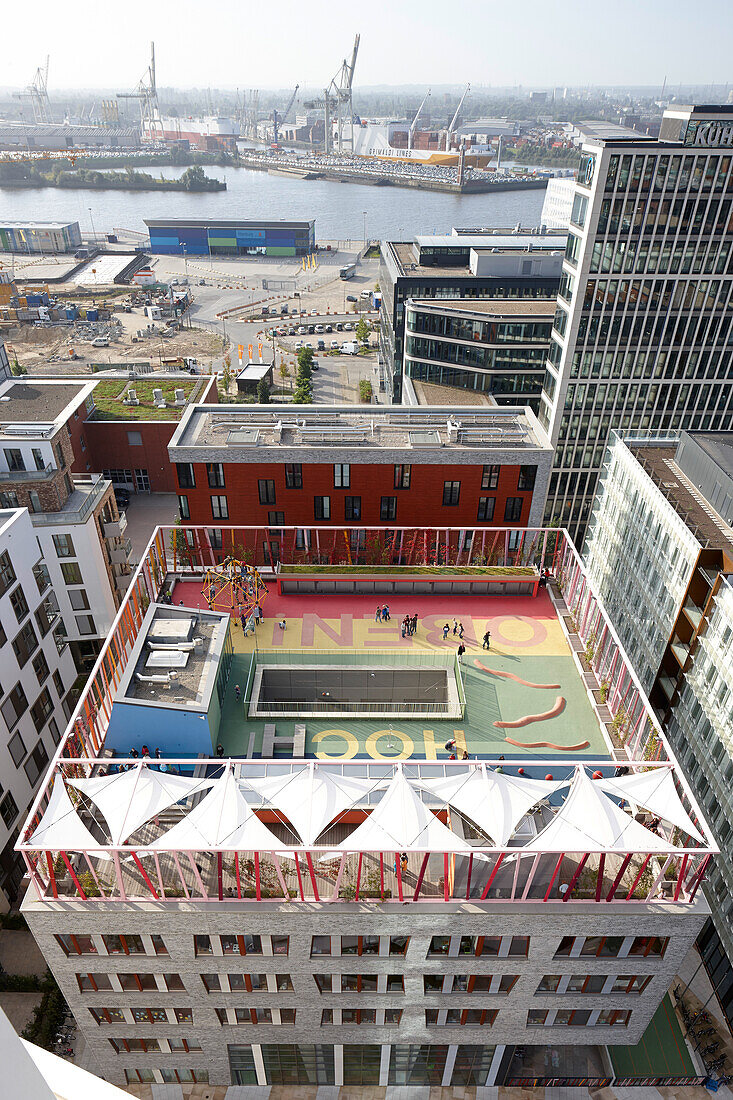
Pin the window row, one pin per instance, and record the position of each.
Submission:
(575, 1017)
(153, 1046)
(469, 983)
(241, 945)
(360, 983)
(142, 1015)
(389, 1017)
(594, 983)
(232, 1016)
(359, 945)
(165, 1076)
(247, 983)
(129, 983)
(479, 945)
(612, 946)
(112, 945)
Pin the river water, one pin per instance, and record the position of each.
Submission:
(338, 208)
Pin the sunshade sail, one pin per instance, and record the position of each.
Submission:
(589, 821)
(130, 798)
(495, 801)
(400, 821)
(223, 820)
(655, 790)
(311, 799)
(60, 828)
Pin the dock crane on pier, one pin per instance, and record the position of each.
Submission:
(455, 118)
(37, 92)
(414, 121)
(278, 118)
(146, 92)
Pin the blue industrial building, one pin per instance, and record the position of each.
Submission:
(231, 238)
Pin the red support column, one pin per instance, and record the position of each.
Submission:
(622, 871)
(492, 876)
(599, 882)
(71, 871)
(574, 879)
(642, 869)
(258, 880)
(468, 878)
(220, 875)
(555, 873)
(358, 876)
(312, 873)
(300, 880)
(421, 876)
(51, 875)
(144, 873)
(398, 873)
(237, 875)
(681, 877)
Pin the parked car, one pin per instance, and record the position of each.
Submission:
(314, 364)
(350, 297)
(302, 331)
(319, 328)
(335, 345)
(329, 328)
(265, 311)
(122, 497)
(311, 329)
(348, 326)
(314, 313)
(283, 309)
(321, 345)
(339, 327)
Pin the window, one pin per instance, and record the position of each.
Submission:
(42, 709)
(432, 983)
(93, 983)
(18, 603)
(490, 477)
(46, 614)
(212, 983)
(586, 983)
(124, 945)
(219, 508)
(486, 507)
(7, 573)
(322, 507)
(202, 945)
(14, 705)
(402, 476)
(280, 945)
(513, 509)
(630, 983)
(9, 500)
(64, 546)
(71, 572)
(78, 599)
(293, 475)
(527, 477)
(38, 458)
(451, 493)
(398, 945)
(8, 810)
(352, 508)
(42, 576)
(59, 451)
(54, 731)
(320, 945)
(285, 1064)
(186, 477)
(40, 666)
(266, 490)
(360, 945)
(136, 1046)
(613, 1017)
(173, 982)
(649, 945)
(341, 475)
(215, 538)
(137, 983)
(76, 944)
(388, 509)
(110, 1015)
(598, 946)
(14, 458)
(25, 643)
(85, 624)
(549, 983)
(16, 746)
(275, 519)
(34, 500)
(183, 509)
(215, 475)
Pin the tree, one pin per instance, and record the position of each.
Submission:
(284, 371)
(263, 392)
(226, 374)
(362, 331)
(194, 178)
(305, 361)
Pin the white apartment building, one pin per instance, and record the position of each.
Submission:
(642, 328)
(660, 552)
(37, 672)
(79, 528)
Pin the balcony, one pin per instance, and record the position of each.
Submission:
(28, 475)
(87, 494)
(120, 553)
(114, 528)
(122, 581)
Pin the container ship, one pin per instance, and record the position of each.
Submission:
(391, 141)
(206, 132)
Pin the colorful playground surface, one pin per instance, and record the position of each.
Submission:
(524, 696)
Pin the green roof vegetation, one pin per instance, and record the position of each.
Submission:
(415, 570)
(108, 398)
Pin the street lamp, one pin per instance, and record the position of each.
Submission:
(91, 218)
(365, 236)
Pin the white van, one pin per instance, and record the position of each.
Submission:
(350, 348)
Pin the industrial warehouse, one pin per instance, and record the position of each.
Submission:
(231, 238)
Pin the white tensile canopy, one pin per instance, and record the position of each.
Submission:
(401, 820)
(60, 828)
(224, 821)
(132, 797)
(311, 799)
(655, 790)
(496, 802)
(589, 821)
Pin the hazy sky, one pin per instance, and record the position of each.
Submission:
(237, 43)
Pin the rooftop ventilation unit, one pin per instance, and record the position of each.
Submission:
(132, 398)
(180, 397)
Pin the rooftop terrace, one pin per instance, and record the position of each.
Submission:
(109, 395)
(519, 798)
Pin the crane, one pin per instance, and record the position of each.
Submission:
(414, 121)
(338, 93)
(146, 92)
(278, 118)
(37, 92)
(455, 117)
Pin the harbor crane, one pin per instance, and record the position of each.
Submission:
(37, 92)
(278, 118)
(455, 118)
(338, 95)
(414, 121)
(146, 92)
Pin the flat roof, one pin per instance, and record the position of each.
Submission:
(518, 242)
(404, 255)
(204, 223)
(718, 446)
(235, 434)
(44, 403)
(5, 224)
(430, 393)
(109, 397)
(536, 308)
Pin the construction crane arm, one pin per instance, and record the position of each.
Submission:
(414, 121)
(455, 116)
(287, 110)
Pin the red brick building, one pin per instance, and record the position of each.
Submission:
(337, 465)
(129, 442)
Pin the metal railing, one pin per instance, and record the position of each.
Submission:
(96, 490)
